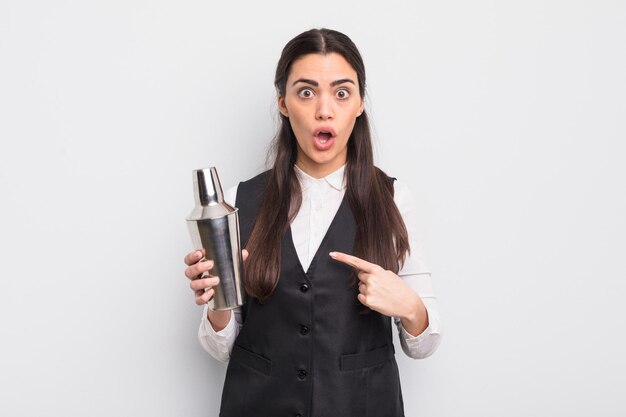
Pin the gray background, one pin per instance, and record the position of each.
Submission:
(506, 118)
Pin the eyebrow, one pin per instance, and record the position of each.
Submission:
(316, 84)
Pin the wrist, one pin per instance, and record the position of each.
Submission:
(415, 319)
(218, 319)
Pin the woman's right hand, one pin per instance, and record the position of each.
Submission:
(202, 282)
(197, 271)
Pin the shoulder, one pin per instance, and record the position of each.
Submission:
(257, 180)
(382, 175)
(402, 194)
(251, 188)
(255, 183)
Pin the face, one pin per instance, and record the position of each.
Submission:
(322, 102)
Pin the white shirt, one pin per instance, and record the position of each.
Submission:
(321, 199)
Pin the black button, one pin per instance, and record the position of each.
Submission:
(304, 287)
(304, 330)
(301, 374)
(298, 415)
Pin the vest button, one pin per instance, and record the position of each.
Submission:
(301, 374)
(304, 330)
(298, 415)
(304, 287)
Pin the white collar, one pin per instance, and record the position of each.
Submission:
(334, 179)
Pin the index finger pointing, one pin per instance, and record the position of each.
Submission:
(353, 261)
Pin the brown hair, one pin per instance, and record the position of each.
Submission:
(381, 236)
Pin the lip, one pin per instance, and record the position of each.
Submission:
(325, 129)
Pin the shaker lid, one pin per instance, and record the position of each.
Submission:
(208, 196)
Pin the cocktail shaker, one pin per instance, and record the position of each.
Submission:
(214, 226)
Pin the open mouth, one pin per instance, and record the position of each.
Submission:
(324, 137)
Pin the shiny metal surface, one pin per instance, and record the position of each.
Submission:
(214, 226)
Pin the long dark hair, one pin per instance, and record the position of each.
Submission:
(381, 235)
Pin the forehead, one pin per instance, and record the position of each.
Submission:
(318, 67)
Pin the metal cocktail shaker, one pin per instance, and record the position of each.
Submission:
(214, 226)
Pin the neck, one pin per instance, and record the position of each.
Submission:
(318, 171)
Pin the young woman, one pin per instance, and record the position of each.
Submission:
(330, 258)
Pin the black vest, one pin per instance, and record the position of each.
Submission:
(312, 350)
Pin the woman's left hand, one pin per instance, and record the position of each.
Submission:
(385, 292)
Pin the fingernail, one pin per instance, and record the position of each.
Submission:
(333, 254)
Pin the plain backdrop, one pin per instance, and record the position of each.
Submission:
(506, 119)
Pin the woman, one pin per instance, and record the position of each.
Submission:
(328, 261)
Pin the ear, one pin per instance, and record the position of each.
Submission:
(361, 108)
(282, 107)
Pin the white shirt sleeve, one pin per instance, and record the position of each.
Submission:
(418, 277)
(220, 344)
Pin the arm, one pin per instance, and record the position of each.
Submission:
(416, 343)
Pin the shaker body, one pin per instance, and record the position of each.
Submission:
(220, 240)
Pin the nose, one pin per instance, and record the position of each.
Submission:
(324, 108)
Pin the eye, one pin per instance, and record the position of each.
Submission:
(305, 93)
(343, 94)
